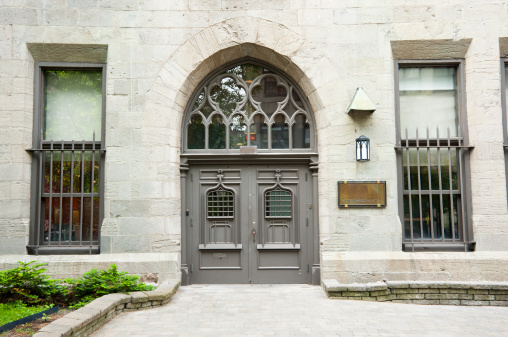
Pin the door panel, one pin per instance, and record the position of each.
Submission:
(249, 224)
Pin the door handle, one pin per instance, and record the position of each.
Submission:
(254, 235)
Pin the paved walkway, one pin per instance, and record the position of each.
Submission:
(299, 310)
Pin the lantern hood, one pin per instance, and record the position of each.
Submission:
(360, 102)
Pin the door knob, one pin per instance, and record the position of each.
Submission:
(254, 235)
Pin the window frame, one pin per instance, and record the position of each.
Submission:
(36, 246)
(290, 151)
(461, 142)
(504, 109)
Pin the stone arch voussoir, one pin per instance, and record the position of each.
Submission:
(231, 40)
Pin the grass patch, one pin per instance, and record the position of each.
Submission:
(10, 312)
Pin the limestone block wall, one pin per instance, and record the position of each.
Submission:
(159, 51)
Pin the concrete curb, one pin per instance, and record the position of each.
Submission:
(418, 292)
(94, 315)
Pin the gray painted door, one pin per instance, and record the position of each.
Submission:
(250, 224)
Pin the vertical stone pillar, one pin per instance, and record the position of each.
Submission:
(316, 267)
(184, 168)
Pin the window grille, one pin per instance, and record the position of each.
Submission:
(220, 203)
(68, 158)
(69, 198)
(433, 183)
(434, 210)
(278, 203)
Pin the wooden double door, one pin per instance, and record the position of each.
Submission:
(249, 223)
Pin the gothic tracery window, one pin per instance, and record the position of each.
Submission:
(248, 105)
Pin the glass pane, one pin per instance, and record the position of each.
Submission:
(277, 204)
(249, 109)
(237, 132)
(301, 132)
(196, 133)
(227, 94)
(280, 133)
(413, 169)
(52, 171)
(220, 204)
(58, 214)
(247, 72)
(297, 100)
(90, 219)
(217, 133)
(428, 98)
(415, 204)
(269, 94)
(424, 169)
(72, 104)
(404, 168)
(407, 220)
(425, 220)
(259, 132)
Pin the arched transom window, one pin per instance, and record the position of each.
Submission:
(248, 105)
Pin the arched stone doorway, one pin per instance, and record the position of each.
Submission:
(249, 179)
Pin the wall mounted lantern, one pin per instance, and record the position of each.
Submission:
(362, 148)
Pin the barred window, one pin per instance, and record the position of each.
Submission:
(220, 203)
(433, 153)
(67, 174)
(278, 203)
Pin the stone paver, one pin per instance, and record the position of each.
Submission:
(299, 310)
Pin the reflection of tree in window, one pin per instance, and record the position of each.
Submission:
(227, 94)
(73, 104)
(229, 89)
(217, 133)
(301, 132)
(259, 132)
(196, 133)
(238, 132)
(272, 89)
(280, 133)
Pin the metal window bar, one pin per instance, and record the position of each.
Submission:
(63, 150)
(220, 204)
(436, 225)
(278, 203)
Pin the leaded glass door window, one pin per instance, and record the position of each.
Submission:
(248, 105)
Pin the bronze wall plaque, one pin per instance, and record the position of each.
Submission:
(362, 193)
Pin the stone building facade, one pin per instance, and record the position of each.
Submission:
(156, 56)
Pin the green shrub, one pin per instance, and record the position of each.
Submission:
(28, 284)
(96, 283)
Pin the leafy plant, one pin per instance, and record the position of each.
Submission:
(96, 283)
(28, 284)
